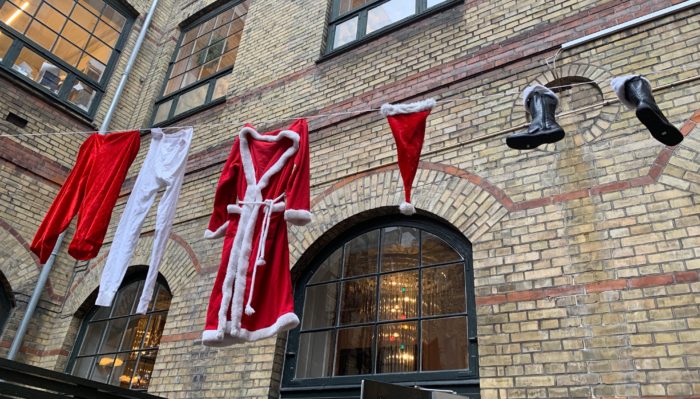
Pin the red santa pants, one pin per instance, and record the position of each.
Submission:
(91, 190)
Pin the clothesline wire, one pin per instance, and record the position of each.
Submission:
(506, 93)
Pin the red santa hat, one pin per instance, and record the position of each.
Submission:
(407, 122)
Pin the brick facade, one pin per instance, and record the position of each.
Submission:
(585, 252)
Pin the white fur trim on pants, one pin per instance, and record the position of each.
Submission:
(618, 85)
(394, 109)
(164, 166)
(537, 88)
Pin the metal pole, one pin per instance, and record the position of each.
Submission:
(127, 70)
(43, 277)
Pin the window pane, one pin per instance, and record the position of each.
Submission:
(361, 255)
(155, 330)
(124, 302)
(124, 365)
(228, 59)
(359, 301)
(397, 348)
(443, 290)
(64, 6)
(38, 69)
(14, 16)
(190, 77)
(445, 344)
(82, 95)
(134, 333)
(107, 34)
(67, 52)
(349, 5)
(115, 330)
(209, 69)
(436, 251)
(345, 32)
(354, 351)
(179, 67)
(112, 17)
(50, 17)
(92, 338)
(190, 35)
(102, 368)
(94, 6)
(320, 306)
(75, 34)
(191, 99)
(162, 301)
(221, 87)
(184, 51)
(5, 43)
(399, 248)
(98, 50)
(83, 17)
(91, 67)
(315, 358)
(388, 13)
(162, 111)
(41, 35)
(329, 269)
(144, 370)
(434, 2)
(398, 296)
(81, 367)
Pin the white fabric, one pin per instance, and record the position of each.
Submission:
(618, 85)
(395, 109)
(537, 88)
(262, 239)
(164, 167)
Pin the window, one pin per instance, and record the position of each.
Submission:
(393, 300)
(5, 303)
(117, 346)
(65, 48)
(205, 54)
(352, 20)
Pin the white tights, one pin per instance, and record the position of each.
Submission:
(164, 166)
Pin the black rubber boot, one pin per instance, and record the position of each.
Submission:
(543, 129)
(638, 92)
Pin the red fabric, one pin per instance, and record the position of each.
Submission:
(91, 191)
(409, 133)
(272, 297)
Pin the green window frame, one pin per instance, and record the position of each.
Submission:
(353, 22)
(64, 49)
(395, 285)
(6, 303)
(197, 76)
(117, 346)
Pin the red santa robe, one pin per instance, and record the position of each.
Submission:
(264, 185)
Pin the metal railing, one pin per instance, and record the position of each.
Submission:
(19, 380)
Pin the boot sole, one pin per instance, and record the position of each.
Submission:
(662, 131)
(529, 142)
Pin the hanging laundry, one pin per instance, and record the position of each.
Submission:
(634, 91)
(91, 190)
(407, 122)
(164, 167)
(265, 177)
(540, 103)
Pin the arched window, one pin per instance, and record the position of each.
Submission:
(117, 346)
(5, 303)
(390, 301)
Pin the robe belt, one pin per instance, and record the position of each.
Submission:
(269, 206)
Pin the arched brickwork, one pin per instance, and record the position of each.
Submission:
(18, 264)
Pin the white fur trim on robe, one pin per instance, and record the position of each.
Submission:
(618, 85)
(208, 234)
(297, 217)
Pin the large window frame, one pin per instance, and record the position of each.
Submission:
(6, 304)
(138, 276)
(463, 381)
(336, 18)
(74, 76)
(210, 81)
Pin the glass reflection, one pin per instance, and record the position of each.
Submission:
(443, 290)
(388, 13)
(445, 344)
(397, 348)
(435, 251)
(361, 254)
(398, 296)
(359, 300)
(315, 358)
(354, 351)
(320, 306)
(399, 248)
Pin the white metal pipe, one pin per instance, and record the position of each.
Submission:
(631, 23)
(127, 69)
(34, 300)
